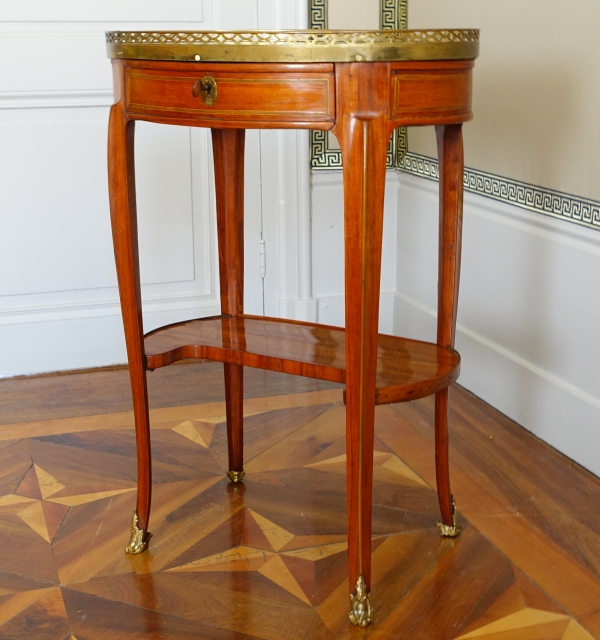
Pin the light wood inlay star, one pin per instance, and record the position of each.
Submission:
(530, 624)
(34, 516)
(48, 484)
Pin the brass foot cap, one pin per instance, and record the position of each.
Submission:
(138, 542)
(450, 530)
(361, 611)
(236, 476)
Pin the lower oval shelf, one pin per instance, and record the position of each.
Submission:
(406, 369)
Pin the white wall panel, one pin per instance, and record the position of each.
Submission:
(58, 217)
(58, 297)
(55, 233)
(164, 203)
(528, 312)
(328, 248)
(54, 61)
(117, 10)
(56, 250)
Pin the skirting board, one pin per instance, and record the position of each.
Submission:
(526, 317)
(81, 341)
(553, 410)
(331, 310)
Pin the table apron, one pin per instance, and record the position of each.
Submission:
(254, 99)
(289, 96)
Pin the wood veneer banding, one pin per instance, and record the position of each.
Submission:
(288, 93)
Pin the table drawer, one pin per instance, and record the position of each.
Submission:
(212, 93)
(428, 96)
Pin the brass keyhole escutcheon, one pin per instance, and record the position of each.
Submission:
(206, 88)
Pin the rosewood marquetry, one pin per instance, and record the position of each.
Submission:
(360, 87)
(406, 369)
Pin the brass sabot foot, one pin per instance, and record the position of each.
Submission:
(447, 530)
(138, 543)
(361, 611)
(236, 476)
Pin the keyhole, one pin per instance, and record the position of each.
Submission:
(206, 88)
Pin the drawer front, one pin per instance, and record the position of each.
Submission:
(246, 97)
(425, 97)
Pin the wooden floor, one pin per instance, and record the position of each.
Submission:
(267, 559)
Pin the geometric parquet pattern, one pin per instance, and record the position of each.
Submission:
(267, 558)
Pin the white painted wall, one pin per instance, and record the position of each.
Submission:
(58, 298)
(328, 249)
(528, 311)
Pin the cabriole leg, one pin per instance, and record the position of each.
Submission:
(363, 132)
(228, 153)
(451, 163)
(125, 238)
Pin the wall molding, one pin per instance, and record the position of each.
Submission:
(531, 369)
(50, 312)
(517, 217)
(575, 391)
(558, 412)
(56, 99)
(318, 14)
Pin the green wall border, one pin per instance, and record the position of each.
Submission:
(322, 157)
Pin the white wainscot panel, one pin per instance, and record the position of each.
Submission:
(56, 65)
(56, 234)
(124, 10)
(328, 248)
(164, 203)
(64, 63)
(528, 312)
(56, 229)
(58, 299)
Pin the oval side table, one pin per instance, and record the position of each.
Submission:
(360, 86)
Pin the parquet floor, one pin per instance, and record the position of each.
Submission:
(267, 559)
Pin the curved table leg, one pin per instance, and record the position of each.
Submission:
(125, 238)
(228, 153)
(451, 163)
(363, 132)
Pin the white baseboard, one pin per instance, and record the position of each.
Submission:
(554, 410)
(92, 336)
(305, 310)
(331, 311)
